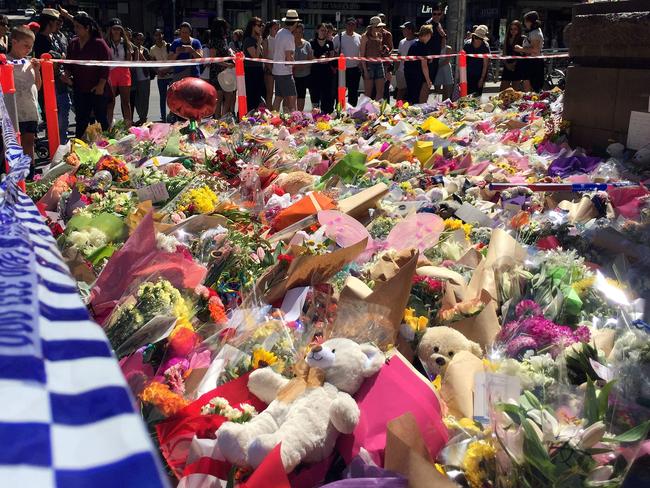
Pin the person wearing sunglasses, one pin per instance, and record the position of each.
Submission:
(435, 44)
(4, 29)
(254, 70)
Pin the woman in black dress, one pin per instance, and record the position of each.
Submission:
(416, 73)
(512, 73)
(254, 70)
(322, 94)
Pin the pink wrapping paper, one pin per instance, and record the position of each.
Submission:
(138, 259)
(627, 201)
(394, 391)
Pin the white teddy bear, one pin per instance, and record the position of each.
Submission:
(308, 414)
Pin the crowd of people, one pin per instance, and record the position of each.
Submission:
(92, 91)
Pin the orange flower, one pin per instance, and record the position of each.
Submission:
(217, 312)
(519, 220)
(159, 395)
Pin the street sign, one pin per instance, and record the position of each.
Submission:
(338, 16)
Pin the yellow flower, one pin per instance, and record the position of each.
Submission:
(453, 224)
(490, 366)
(323, 126)
(262, 358)
(437, 383)
(581, 286)
(406, 187)
(479, 463)
(202, 198)
(181, 309)
(418, 324)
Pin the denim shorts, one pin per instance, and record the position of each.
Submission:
(375, 71)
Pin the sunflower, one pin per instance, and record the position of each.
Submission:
(262, 358)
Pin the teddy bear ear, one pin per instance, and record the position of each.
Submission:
(374, 359)
(476, 350)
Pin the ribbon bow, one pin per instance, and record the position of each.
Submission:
(305, 377)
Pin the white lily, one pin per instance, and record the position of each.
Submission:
(592, 435)
(600, 474)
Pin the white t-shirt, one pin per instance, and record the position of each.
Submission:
(160, 54)
(349, 46)
(284, 41)
(533, 35)
(403, 50)
(120, 55)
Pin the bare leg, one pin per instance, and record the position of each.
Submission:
(290, 104)
(217, 109)
(268, 82)
(229, 103)
(276, 104)
(379, 87)
(27, 142)
(125, 100)
(367, 86)
(505, 84)
(110, 110)
(527, 86)
(424, 93)
(301, 104)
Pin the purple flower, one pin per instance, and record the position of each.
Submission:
(518, 346)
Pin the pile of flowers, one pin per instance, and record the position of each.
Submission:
(207, 260)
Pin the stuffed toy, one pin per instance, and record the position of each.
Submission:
(305, 414)
(438, 346)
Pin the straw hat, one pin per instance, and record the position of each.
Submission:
(227, 80)
(376, 22)
(292, 16)
(50, 12)
(481, 32)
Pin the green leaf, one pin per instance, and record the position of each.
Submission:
(603, 398)
(352, 165)
(640, 432)
(591, 403)
(536, 453)
(104, 252)
(512, 411)
(532, 401)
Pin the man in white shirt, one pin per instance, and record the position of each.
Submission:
(160, 52)
(408, 29)
(284, 48)
(349, 43)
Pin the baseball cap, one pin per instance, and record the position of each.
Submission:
(408, 25)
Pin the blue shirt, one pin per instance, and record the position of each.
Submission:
(196, 44)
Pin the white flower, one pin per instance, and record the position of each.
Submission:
(601, 473)
(592, 435)
(220, 403)
(248, 409)
(78, 239)
(166, 243)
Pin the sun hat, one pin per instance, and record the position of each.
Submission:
(481, 32)
(50, 12)
(227, 80)
(292, 16)
(376, 22)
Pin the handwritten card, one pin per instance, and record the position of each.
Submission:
(638, 134)
(156, 193)
(492, 388)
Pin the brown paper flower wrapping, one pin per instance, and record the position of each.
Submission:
(457, 389)
(357, 302)
(407, 455)
(306, 270)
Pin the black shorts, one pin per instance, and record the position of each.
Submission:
(28, 127)
(302, 83)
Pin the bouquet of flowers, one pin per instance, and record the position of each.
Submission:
(151, 299)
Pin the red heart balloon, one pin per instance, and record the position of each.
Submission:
(192, 98)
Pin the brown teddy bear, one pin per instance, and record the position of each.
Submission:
(438, 346)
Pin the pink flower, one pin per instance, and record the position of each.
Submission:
(527, 308)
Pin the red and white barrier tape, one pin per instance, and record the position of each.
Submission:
(200, 61)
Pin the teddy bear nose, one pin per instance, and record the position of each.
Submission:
(440, 361)
(317, 348)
